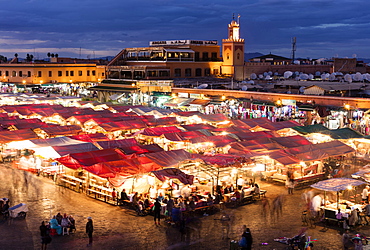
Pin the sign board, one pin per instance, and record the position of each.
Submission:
(287, 102)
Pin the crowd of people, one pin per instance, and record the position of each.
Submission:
(58, 222)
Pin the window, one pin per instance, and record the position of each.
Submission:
(28, 73)
(214, 56)
(50, 74)
(14, 74)
(60, 73)
(67, 73)
(227, 56)
(88, 73)
(102, 74)
(198, 72)
(164, 73)
(6, 73)
(207, 72)
(20, 73)
(196, 56)
(205, 56)
(39, 74)
(238, 56)
(93, 72)
(72, 73)
(177, 72)
(80, 73)
(1, 73)
(188, 72)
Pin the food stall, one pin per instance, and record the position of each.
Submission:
(343, 187)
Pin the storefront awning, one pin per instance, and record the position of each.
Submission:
(337, 184)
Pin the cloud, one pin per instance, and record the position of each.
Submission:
(322, 27)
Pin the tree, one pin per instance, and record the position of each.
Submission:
(16, 55)
(56, 55)
(52, 54)
(48, 54)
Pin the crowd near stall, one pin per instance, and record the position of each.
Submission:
(186, 160)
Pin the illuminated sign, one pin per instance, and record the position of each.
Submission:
(183, 42)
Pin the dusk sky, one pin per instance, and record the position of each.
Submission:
(92, 28)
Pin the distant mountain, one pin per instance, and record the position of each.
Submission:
(365, 60)
(248, 56)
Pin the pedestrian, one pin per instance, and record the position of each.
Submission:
(365, 194)
(157, 211)
(45, 237)
(89, 230)
(346, 240)
(290, 185)
(246, 239)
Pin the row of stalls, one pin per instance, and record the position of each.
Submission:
(209, 150)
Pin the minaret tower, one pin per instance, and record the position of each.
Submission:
(233, 52)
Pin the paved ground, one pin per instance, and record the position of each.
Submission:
(119, 228)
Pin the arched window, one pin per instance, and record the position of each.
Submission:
(238, 56)
(227, 56)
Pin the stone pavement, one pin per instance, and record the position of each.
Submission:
(119, 228)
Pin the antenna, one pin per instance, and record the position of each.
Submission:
(294, 48)
(80, 52)
(238, 18)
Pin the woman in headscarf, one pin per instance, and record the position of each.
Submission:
(55, 225)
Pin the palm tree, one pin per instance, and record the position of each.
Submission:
(48, 54)
(16, 55)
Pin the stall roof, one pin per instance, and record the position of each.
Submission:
(50, 142)
(67, 149)
(183, 136)
(77, 160)
(291, 141)
(316, 128)
(193, 127)
(221, 160)
(217, 140)
(117, 143)
(253, 135)
(214, 117)
(17, 135)
(337, 184)
(283, 157)
(160, 131)
(141, 149)
(123, 125)
(168, 159)
(174, 173)
(161, 121)
(62, 130)
(343, 133)
(89, 137)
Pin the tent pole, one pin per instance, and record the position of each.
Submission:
(218, 174)
(337, 200)
(325, 198)
(133, 181)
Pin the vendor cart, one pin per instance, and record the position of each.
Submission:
(18, 211)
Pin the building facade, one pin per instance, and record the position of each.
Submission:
(39, 73)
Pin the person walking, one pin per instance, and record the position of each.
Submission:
(157, 211)
(89, 230)
(346, 240)
(45, 237)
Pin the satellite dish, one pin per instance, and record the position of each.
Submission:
(244, 88)
(203, 86)
(301, 89)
